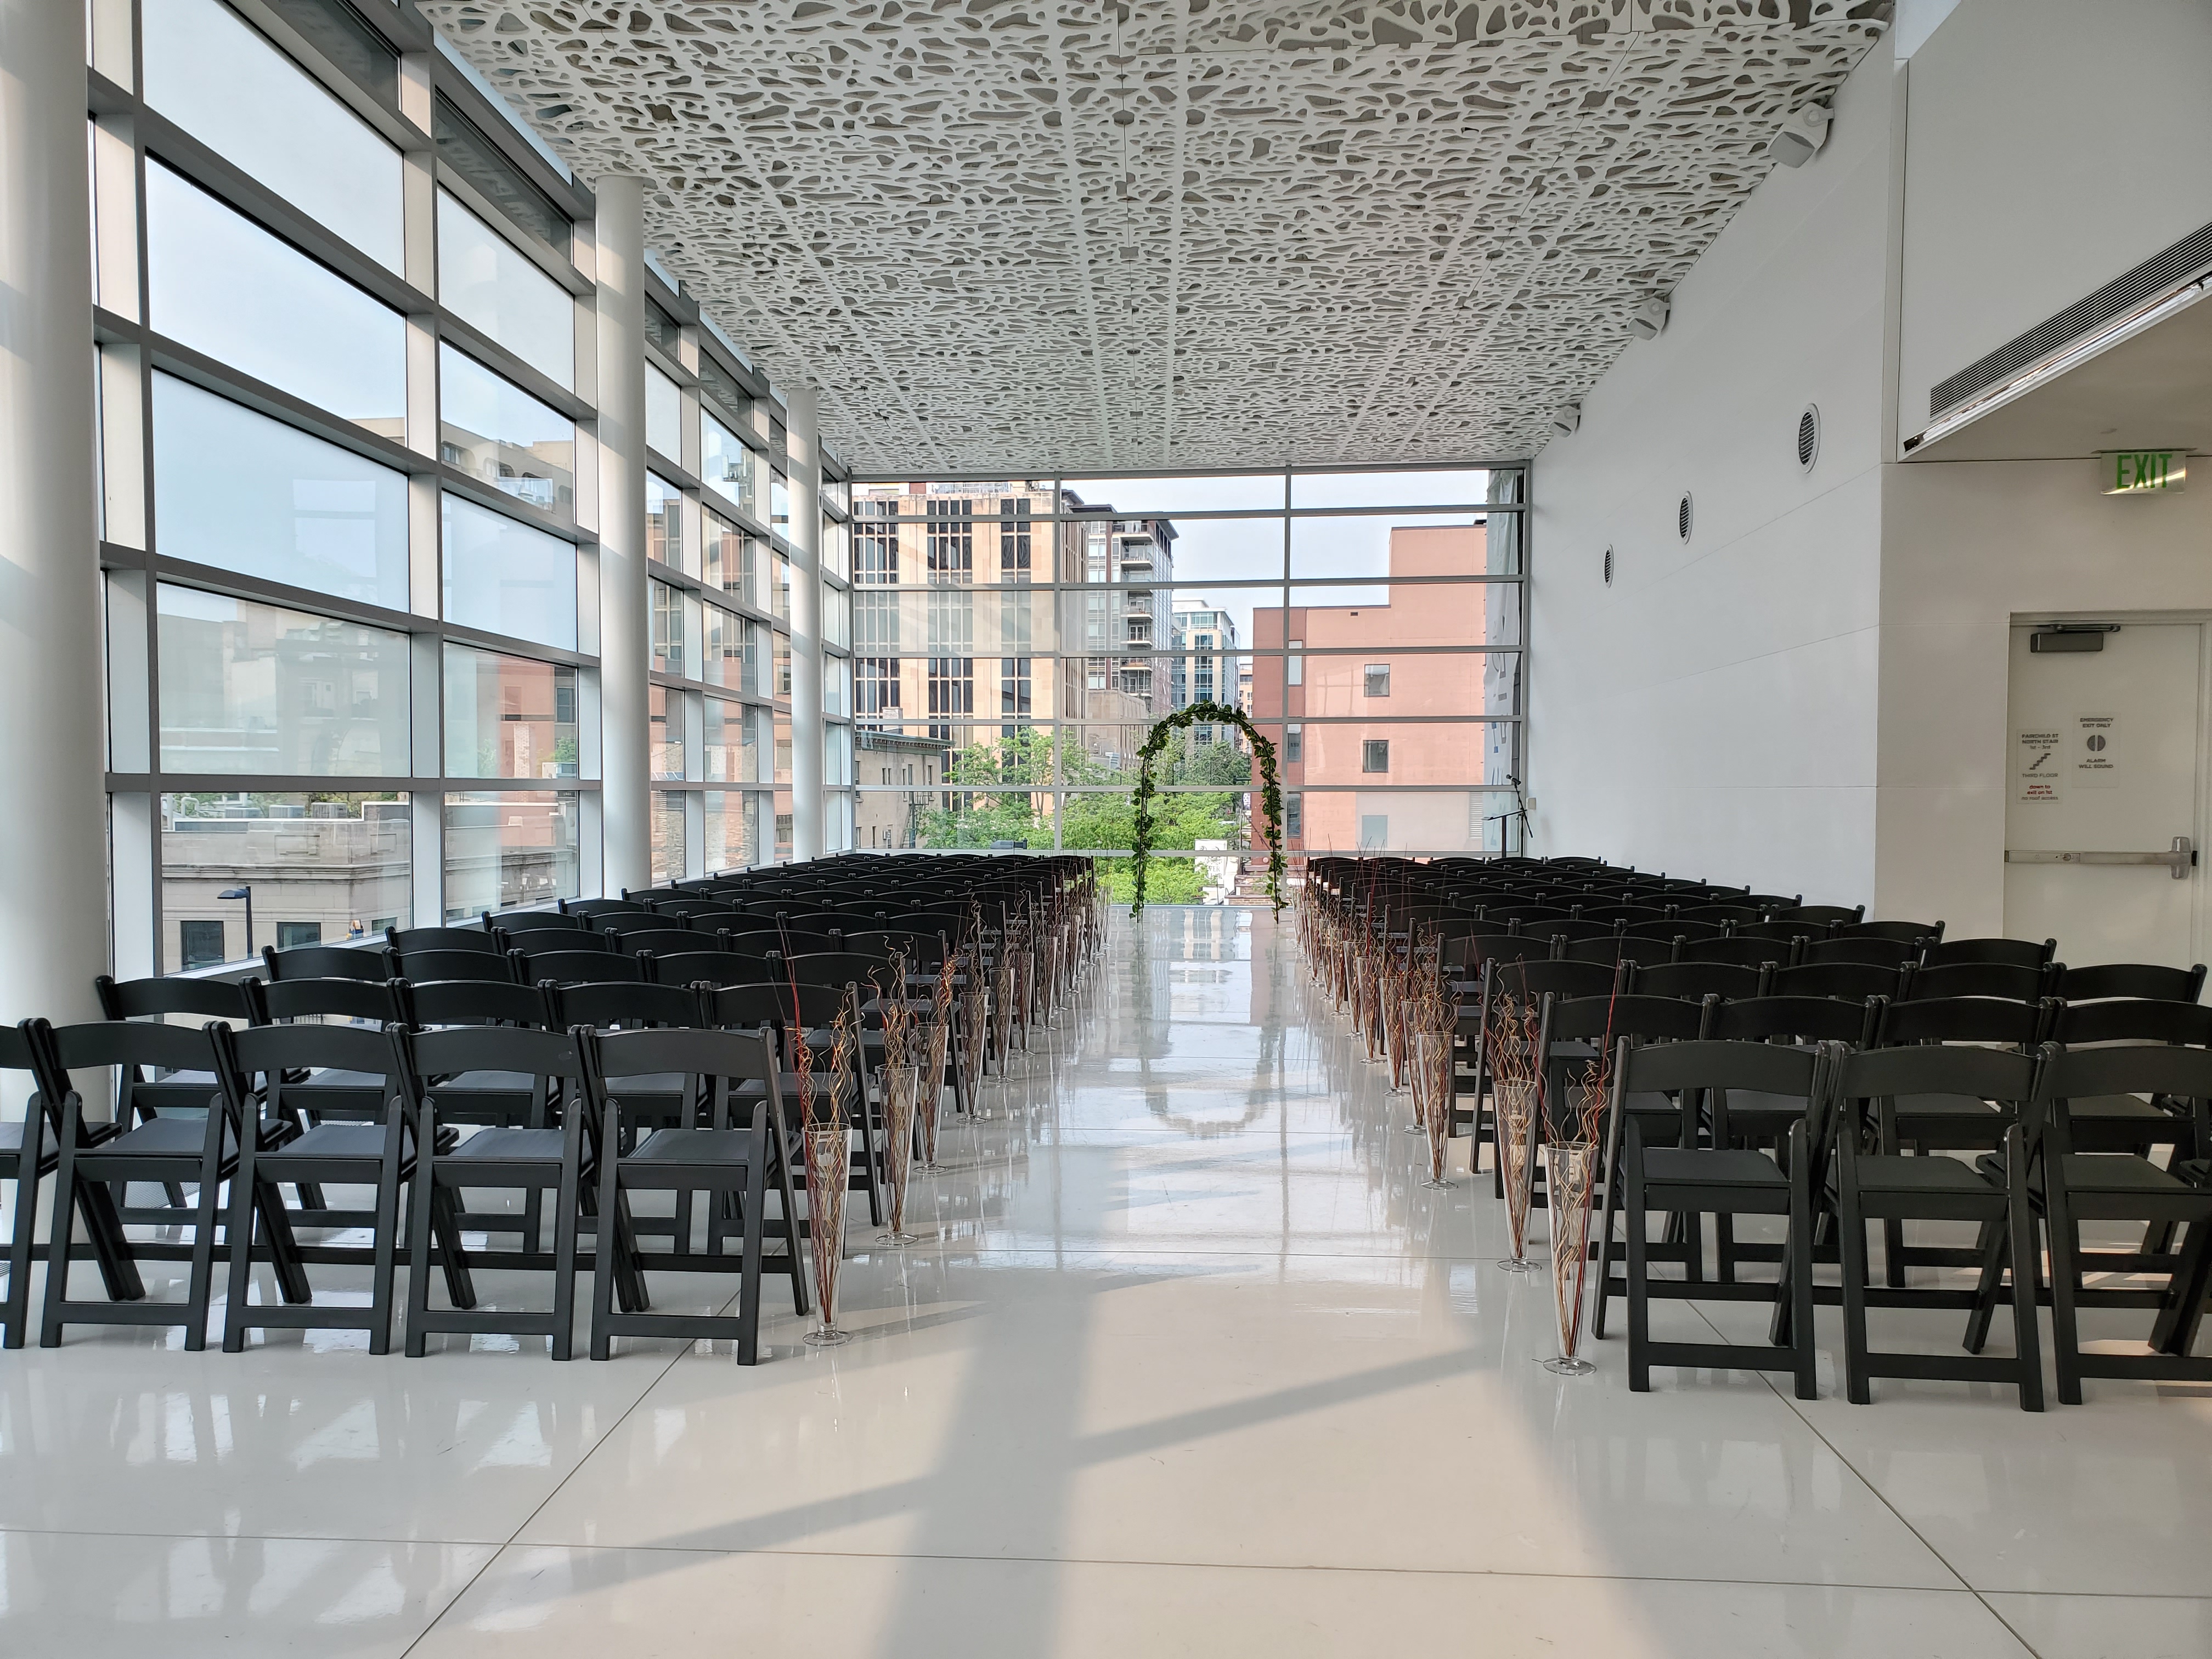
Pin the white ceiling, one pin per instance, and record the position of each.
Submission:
(1007, 235)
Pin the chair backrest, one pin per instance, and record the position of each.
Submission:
(1831, 915)
(1529, 980)
(28, 1048)
(1693, 911)
(1643, 952)
(1979, 979)
(713, 967)
(2174, 1070)
(272, 1051)
(1880, 952)
(408, 939)
(1855, 980)
(2015, 952)
(474, 1002)
(532, 921)
(1766, 1067)
(760, 943)
(748, 1006)
(2141, 981)
(923, 952)
(543, 941)
(546, 1057)
(1783, 931)
(579, 967)
(132, 1044)
(661, 941)
(605, 1006)
(1742, 952)
(597, 909)
(324, 961)
(325, 999)
(426, 965)
(1475, 948)
(2132, 1021)
(833, 968)
(723, 1061)
(1962, 1019)
(1796, 1019)
(1696, 980)
(141, 999)
(1990, 1074)
(1609, 1019)
(1910, 932)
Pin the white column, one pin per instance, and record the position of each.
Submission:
(53, 832)
(803, 433)
(625, 645)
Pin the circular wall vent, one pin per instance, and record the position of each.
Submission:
(1808, 437)
(1683, 516)
(1608, 567)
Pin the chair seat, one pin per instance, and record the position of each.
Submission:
(724, 1147)
(504, 1083)
(1758, 1103)
(1654, 1102)
(1726, 1167)
(334, 1141)
(2096, 1172)
(647, 1083)
(1920, 1175)
(1947, 1105)
(501, 1145)
(2117, 1106)
(184, 1137)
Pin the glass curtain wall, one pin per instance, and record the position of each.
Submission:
(1015, 640)
(351, 576)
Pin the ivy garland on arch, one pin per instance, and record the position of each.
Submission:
(1271, 791)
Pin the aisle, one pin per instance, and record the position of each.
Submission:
(1193, 1366)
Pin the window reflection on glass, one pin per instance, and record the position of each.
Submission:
(238, 491)
(508, 717)
(783, 666)
(728, 560)
(664, 522)
(254, 689)
(504, 849)
(731, 746)
(664, 414)
(339, 864)
(782, 749)
(506, 577)
(779, 504)
(732, 831)
(494, 431)
(230, 89)
(837, 686)
(836, 549)
(717, 385)
(463, 148)
(491, 284)
(779, 595)
(725, 465)
(667, 836)
(722, 647)
(664, 732)
(667, 630)
(219, 284)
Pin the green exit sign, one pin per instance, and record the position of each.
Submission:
(2141, 471)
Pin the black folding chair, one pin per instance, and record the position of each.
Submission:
(2138, 980)
(743, 1148)
(1720, 1181)
(201, 1152)
(378, 1154)
(30, 1150)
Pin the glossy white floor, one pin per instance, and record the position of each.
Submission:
(1192, 1366)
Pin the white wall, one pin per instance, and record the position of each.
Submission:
(2051, 146)
(1712, 713)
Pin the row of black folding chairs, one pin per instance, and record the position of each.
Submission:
(681, 1110)
(701, 961)
(2016, 1114)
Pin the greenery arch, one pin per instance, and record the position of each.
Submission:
(1271, 791)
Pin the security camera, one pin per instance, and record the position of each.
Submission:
(1567, 418)
(1649, 321)
(1801, 136)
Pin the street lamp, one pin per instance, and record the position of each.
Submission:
(245, 893)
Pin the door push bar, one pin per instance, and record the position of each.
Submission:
(2179, 859)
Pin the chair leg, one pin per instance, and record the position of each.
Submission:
(244, 1217)
(606, 1258)
(382, 1275)
(1609, 1175)
(2065, 1278)
(1992, 1244)
(1797, 1267)
(18, 1304)
(445, 1220)
(2026, 1336)
(1639, 1298)
(2175, 1328)
(283, 1247)
(423, 1203)
(1851, 1247)
(748, 1274)
(567, 1223)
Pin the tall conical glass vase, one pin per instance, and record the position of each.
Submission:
(929, 1096)
(828, 1151)
(1569, 1168)
(901, 1084)
(1515, 1105)
(1431, 1065)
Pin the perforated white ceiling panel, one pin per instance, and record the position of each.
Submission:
(1002, 234)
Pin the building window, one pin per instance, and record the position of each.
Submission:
(1294, 668)
(1014, 541)
(1374, 755)
(1376, 679)
(1294, 744)
(292, 934)
(1374, 831)
(199, 943)
(1014, 692)
(875, 688)
(951, 541)
(1294, 816)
